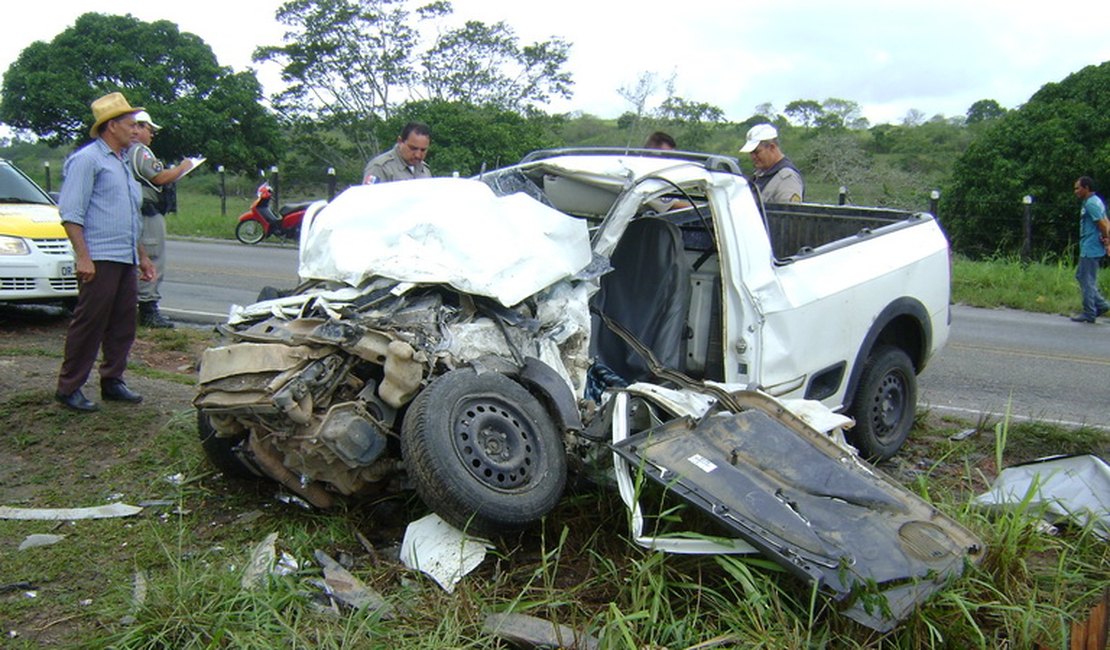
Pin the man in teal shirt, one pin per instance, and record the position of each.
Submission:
(1094, 242)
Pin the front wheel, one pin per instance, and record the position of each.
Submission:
(483, 453)
(885, 403)
(226, 454)
(250, 231)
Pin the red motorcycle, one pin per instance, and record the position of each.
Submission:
(259, 222)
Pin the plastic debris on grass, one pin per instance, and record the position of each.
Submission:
(441, 551)
(36, 540)
(343, 586)
(66, 514)
(1067, 487)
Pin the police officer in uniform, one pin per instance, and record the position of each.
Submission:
(405, 161)
(157, 183)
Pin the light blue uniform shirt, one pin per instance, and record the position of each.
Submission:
(1089, 245)
(100, 194)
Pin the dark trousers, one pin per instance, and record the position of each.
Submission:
(103, 321)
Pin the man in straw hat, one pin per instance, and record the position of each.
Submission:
(99, 202)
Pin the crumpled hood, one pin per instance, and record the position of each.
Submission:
(445, 231)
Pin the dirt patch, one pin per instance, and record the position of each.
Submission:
(31, 347)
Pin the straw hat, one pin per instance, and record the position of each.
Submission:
(109, 107)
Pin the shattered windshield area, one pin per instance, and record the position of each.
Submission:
(511, 181)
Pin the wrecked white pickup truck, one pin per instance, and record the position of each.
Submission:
(638, 311)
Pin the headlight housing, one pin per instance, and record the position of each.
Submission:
(14, 245)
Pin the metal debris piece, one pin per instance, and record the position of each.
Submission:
(349, 590)
(65, 514)
(1068, 487)
(963, 435)
(36, 540)
(440, 550)
(531, 632)
(286, 565)
(260, 563)
(293, 499)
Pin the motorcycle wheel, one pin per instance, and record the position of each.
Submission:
(250, 232)
(483, 453)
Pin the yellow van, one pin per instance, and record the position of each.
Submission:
(36, 258)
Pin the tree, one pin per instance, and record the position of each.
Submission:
(697, 119)
(204, 106)
(984, 110)
(484, 64)
(913, 117)
(804, 111)
(1061, 133)
(766, 109)
(638, 95)
(843, 113)
(350, 62)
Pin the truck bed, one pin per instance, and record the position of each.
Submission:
(799, 229)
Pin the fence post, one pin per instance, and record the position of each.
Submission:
(331, 183)
(276, 185)
(46, 168)
(1027, 229)
(223, 192)
(843, 198)
(934, 204)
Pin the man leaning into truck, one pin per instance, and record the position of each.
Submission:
(778, 180)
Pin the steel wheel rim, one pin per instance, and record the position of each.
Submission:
(495, 441)
(889, 407)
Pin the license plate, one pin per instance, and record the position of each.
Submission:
(65, 269)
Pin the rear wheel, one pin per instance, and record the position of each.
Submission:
(885, 403)
(250, 231)
(226, 453)
(483, 453)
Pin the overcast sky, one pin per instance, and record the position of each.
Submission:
(887, 55)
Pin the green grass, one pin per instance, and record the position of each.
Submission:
(577, 569)
(1047, 286)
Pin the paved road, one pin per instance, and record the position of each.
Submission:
(1042, 366)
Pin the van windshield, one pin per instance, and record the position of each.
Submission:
(15, 187)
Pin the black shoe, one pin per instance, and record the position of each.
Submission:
(149, 316)
(1082, 319)
(116, 391)
(77, 401)
(1101, 312)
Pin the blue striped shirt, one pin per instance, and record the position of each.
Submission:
(100, 194)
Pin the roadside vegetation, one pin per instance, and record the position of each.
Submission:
(170, 577)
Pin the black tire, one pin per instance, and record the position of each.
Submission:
(250, 231)
(271, 293)
(885, 404)
(483, 453)
(225, 453)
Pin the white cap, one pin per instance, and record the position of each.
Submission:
(756, 134)
(143, 116)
